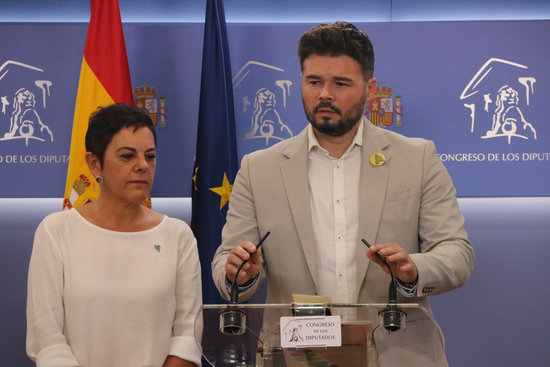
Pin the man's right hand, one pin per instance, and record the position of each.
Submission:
(239, 254)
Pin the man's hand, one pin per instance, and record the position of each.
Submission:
(239, 254)
(173, 361)
(402, 266)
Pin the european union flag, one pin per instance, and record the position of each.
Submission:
(216, 162)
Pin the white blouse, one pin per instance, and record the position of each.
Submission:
(100, 298)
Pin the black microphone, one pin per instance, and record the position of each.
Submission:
(392, 316)
(233, 320)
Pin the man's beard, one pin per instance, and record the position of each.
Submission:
(338, 128)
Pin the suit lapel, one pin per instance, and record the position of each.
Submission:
(372, 186)
(295, 179)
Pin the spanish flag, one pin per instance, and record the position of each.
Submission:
(104, 80)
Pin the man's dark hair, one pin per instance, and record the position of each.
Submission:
(337, 39)
(106, 122)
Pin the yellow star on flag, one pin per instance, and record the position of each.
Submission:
(224, 191)
(195, 178)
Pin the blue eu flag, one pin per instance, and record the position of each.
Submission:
(216, 161)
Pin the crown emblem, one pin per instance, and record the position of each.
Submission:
(383, 91)
(145, 91)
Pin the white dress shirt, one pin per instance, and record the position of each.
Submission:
(334, 185)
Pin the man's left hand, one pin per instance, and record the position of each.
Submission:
(398, 259)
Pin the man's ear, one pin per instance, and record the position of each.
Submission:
(93, 164)
(371, 88)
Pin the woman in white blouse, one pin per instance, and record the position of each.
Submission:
(113, 283)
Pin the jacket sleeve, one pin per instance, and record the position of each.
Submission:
(446, 256)
(241, 225)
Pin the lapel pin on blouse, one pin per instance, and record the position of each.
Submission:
(377, 159)
(157, 247)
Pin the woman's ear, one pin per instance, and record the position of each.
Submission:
(93, 164)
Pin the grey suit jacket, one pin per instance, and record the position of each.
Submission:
(410, 200)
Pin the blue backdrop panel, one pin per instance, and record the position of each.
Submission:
(168, 58)
(39, 68)
(164, 62)
(477, 89)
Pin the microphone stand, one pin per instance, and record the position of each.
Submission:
(233, 320)
(391, 315)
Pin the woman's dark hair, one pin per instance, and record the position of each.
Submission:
(336, 39)
(106, 122)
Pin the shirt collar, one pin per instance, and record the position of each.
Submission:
(313, 143)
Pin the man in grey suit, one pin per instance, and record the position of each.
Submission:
(340, 180)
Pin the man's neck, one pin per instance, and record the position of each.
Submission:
(336, 146)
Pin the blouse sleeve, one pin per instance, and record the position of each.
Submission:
(188, 300)
(46, 344)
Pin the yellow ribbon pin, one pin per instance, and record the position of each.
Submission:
(377, 159)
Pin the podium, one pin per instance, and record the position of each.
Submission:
(258, 335)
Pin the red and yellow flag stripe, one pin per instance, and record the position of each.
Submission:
(104, 79)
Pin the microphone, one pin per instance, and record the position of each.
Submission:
(392, 316)
(233, 320)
